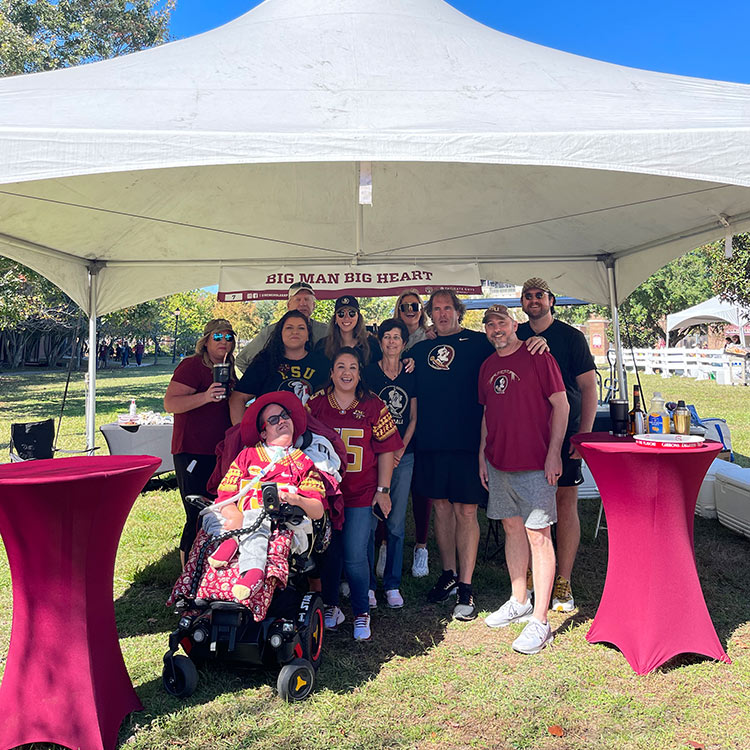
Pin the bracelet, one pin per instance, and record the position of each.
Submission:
(384, 490)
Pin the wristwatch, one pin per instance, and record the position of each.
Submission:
(384, 490)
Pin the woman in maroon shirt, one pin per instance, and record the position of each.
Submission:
(201, 417)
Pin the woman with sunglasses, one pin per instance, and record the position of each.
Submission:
(201, 417)
(371, 438)
(286, 363)
(410, 311)
(347, 328)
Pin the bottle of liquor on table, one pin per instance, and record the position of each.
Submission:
(637, 417)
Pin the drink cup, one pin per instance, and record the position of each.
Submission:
(222, 374)
(618, 413)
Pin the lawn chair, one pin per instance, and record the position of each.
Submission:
(32, 441)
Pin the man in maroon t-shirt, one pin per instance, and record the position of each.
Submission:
(525, 416)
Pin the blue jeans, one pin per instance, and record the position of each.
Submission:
(400, 486)
(348, 551)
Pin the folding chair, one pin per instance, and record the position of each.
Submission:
(32, 441)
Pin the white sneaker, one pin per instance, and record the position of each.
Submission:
(511, 611)
(344, 590)
(362, 628)
(334, 618)
(372, 598)
(382, 557)
(534, 637)
(393, 599)
(420, 567)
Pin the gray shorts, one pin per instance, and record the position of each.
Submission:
(522, 493)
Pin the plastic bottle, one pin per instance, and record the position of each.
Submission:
(658, 416)
(132, 411)
(681, 417)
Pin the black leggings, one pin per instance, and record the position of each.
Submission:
(192, 480)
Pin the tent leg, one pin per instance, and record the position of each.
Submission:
(622, 385)
(91, 390)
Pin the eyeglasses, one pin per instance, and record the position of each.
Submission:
(534, 295)
(225, 336)
(344, 313)
(407, 306)
(274, 419)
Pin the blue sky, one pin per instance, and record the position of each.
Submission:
(707, 40)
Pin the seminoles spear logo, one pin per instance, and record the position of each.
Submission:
(440, 357)
(300, 388)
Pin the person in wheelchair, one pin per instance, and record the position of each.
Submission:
(270, 467)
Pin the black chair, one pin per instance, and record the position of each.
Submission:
(32, 441)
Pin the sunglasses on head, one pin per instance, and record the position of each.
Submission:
(407, 306)
(343, 313)
(534, 295)
(225, 336)
(274, 419)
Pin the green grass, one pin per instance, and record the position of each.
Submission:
(423, 681)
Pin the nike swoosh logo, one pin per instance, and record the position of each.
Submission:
(466, 339)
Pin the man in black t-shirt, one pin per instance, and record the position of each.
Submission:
(569, 347)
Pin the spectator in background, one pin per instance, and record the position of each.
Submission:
(302, 298)
(139, 349)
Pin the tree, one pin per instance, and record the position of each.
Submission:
(50, 34)
(731, 276)
(242, 315)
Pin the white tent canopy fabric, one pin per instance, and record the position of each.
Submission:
(157, 170)
(712, 310)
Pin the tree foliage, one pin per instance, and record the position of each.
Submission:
(49, 34)
(731, 276)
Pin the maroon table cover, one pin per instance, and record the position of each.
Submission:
(61, 519)
(652, 607)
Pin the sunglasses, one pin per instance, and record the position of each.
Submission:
(274, 419)
(225, 336)
(409, 306)
(534, 295)
(344, 313)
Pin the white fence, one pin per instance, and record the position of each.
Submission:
(701, 364)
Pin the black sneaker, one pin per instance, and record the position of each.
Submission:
(445, 587)
(465, 608)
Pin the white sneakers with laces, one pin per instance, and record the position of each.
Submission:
(362, 628)
(393, 599)
(420, 567)
(333, 618)
(511, 611)
(534, 637)
(372, 599)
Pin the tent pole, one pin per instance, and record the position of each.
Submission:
(91, 390)
(622, 386)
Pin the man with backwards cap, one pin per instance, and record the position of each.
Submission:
(569, 348)
(301, 297)
(525, 415)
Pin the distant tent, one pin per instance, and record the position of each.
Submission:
(712, 310)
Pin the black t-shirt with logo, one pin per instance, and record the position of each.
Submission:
(447, 371)
(396, 395)
(303, 377)
(571, 351)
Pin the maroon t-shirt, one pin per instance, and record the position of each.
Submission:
(515, 391)
(199, 430)
(367, 429)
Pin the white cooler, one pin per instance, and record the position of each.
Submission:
(732, 494)
(705, 506)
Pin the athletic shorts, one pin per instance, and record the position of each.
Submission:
(522, 493)
(571, 475)
(451, 475)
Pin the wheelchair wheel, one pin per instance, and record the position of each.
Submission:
(296, 680)
(185, 679)
(312, 631)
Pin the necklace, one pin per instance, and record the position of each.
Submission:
(335, 404)
(388, 374)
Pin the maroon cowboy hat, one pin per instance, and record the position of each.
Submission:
(249, 425)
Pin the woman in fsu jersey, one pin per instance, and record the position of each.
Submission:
(371, 437)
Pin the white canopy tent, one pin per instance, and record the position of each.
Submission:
(137, 177)
(711, 311)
